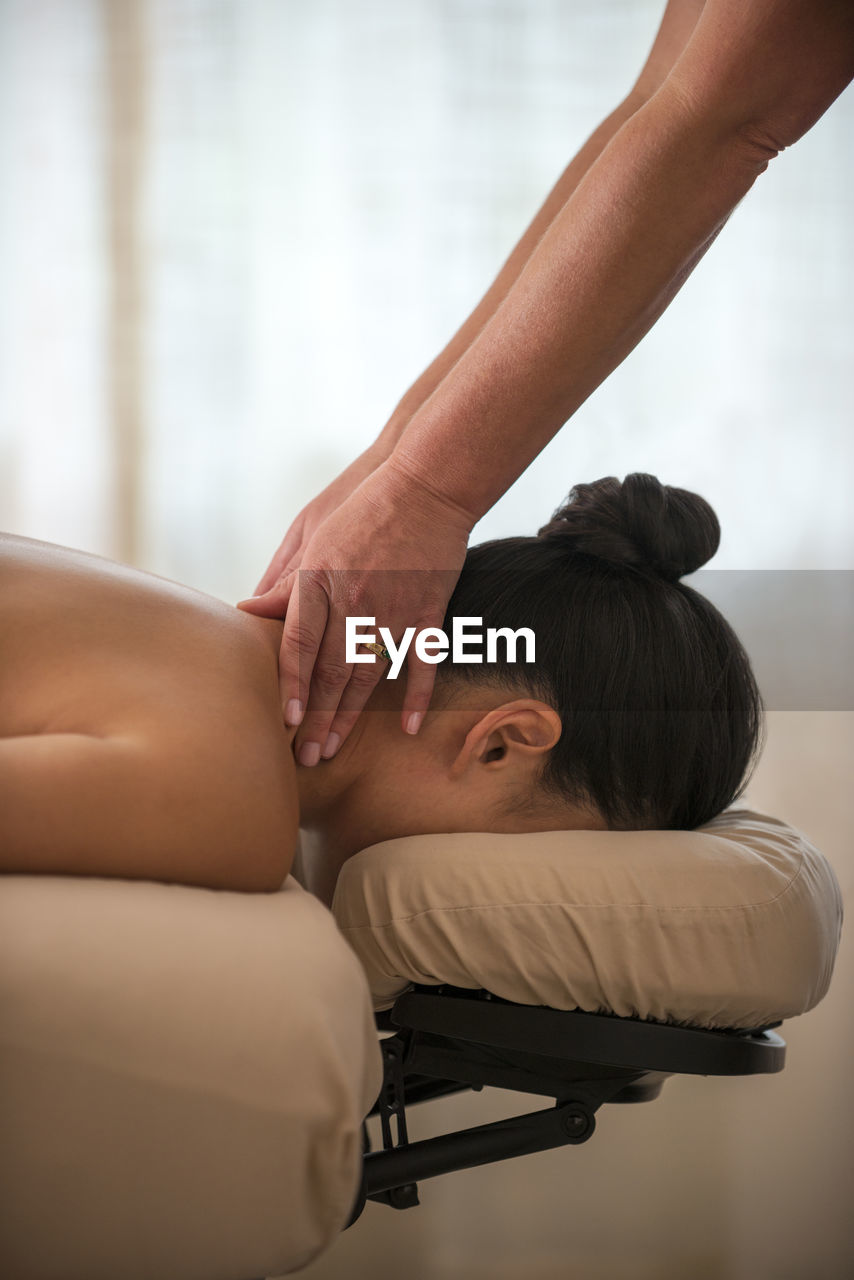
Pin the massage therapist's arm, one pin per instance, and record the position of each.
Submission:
(753, 76)
(416, 529)
(679, 20)
(677, 24)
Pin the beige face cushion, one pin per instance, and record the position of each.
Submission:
(183, 1076)
(735, 924)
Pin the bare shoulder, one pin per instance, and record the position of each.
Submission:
(140, 729)
(74, 804)
(28, 563)
(87, 643)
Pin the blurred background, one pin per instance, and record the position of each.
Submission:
(232, 233)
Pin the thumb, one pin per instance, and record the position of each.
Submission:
(273, 603)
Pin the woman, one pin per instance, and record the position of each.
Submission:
(141, 733)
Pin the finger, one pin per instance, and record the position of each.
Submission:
(274, 604)
(329, 679)
(420, 679)
(305, 626)
(358, 690)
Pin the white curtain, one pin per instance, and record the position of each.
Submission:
(232, 232)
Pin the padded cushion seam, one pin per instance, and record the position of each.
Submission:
(587, 906)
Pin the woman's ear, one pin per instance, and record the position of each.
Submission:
(515, 732)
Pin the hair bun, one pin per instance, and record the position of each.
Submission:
(638, 522)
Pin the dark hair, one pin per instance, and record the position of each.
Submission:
(662, 717)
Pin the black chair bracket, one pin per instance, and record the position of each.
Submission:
(446, 1039)
(391, 1175)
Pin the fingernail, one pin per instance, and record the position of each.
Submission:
(293, 711)
(309, 753)
(333, 742)
(413, 724)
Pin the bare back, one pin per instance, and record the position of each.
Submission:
(140, 728)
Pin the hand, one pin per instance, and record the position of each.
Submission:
(392, 551)
(292, 547)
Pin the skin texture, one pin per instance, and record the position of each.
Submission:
(728, 84)
(141, 737)
(138, 733)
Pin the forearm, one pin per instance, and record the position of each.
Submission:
(607, 268)
(752, 79)
(677, 24)
(426, 384)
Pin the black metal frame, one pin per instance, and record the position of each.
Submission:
(446, 1040)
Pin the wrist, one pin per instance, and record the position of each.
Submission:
(403, 485)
